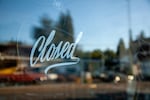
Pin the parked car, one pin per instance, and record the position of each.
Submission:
(13, 75)
(111, 76)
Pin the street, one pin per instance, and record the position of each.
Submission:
(102, 91)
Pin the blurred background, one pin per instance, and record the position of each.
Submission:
(114, 50)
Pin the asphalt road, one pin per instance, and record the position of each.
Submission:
(103, 91)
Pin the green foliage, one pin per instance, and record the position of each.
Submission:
(64, 28)
(109, 54)
(97, 54)
(121, 49)
(86, 55)
(45, 29)
(110, 57)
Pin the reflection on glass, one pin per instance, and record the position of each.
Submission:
(113, 54)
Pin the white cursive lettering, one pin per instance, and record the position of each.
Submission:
(48, 51)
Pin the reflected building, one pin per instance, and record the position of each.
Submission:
(140, 52)
(137, 55)
(14, 54)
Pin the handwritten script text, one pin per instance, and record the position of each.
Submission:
(49, 51)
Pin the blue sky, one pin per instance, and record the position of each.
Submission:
(103, 22)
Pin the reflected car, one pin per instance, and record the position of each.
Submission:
(111, 76)
(13, 75)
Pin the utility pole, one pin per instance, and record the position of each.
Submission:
(129, 15)
(130, 31)
(132, 85)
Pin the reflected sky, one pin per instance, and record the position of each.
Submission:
(103, 22)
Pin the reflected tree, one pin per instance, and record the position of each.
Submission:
(121, 49)
(44, 29)
(64, 28)
(97, 54)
